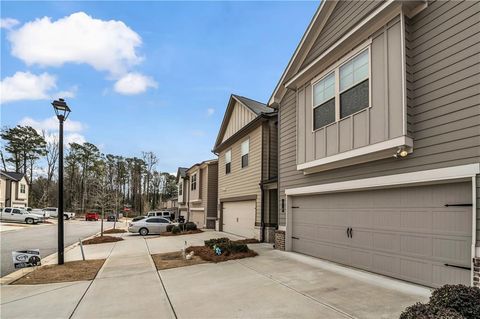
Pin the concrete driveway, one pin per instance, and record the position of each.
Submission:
(274, 284)
(279, 284)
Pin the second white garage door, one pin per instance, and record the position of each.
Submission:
(198, 217)
(239, 218)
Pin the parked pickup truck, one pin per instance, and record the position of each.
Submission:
(54, 213)
(19, 215)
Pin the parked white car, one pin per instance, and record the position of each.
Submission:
(163, 213)
(53, 211)
(40, 212)
(150, 225)
(19, 215)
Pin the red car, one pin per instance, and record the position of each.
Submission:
(92, 216)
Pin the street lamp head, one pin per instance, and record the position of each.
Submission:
(61, 109)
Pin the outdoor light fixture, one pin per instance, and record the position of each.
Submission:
(402, 152)
(61, 110)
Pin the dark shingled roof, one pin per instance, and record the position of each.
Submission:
(13, 175)
(257, 107)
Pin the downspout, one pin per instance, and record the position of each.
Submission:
(262, 198)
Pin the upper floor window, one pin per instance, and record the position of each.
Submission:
(228, 162)
(180, 189)
(193, 182)
(22, 188)
(245, 149)
(343, 91)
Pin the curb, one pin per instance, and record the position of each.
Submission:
(8, 279)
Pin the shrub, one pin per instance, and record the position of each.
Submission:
(427, 311)
(464, 300)
(176, 230)
(233, 248)
(216, 241)
(190, 226)
(181, 226)
(169, 228)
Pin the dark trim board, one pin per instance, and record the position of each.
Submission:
(238, 198)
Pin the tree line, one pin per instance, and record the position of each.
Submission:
(93, 181)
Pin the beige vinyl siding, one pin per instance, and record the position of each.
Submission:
(445, 115)
(342, 19)
(242, 181)
(240, 117)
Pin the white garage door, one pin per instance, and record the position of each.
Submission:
(420, 234)
(198, 217)
(239, 218)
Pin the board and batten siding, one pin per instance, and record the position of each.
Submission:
(240, 117)
(242, 181)
(345, 16)
(378, 123)
(443, 45)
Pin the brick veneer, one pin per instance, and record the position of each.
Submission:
(280, 239)
(476, 272)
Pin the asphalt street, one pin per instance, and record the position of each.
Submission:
(43, 237)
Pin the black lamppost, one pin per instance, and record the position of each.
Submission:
(62, 110)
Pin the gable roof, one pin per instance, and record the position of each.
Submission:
(206, 162)
(181, 172)
(13, 175)
(257, 108)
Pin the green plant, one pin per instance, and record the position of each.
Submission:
(169, 228)
(464, 300)
(190, 226)
(181, 226)
(216, 241)
(233, 248)
(427, 311)
(176, 230)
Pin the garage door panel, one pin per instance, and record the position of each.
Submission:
(405, 232)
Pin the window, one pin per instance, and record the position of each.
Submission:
(194, 182)
(324, 101)
(8, 210)
(22, 188)
(154, 220)
(17, 211)
(245, 148)
(342, 92)
(180, 189)
(354, 85)
(228, 162)
(164, 221)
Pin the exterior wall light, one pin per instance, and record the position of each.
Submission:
(402, 152)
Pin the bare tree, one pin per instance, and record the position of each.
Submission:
(51, 159)
(150, 160)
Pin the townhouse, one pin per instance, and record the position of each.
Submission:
(379, 148)
(14, 189)
(246, 146)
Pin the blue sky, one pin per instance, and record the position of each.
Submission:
(157, 78)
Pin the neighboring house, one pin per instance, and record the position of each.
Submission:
(379, 126)
(182, 186)
(13, 189)
(202, 193)
(246, 146)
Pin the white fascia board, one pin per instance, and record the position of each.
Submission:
(339, 42)
(373, 148)
(433, 175)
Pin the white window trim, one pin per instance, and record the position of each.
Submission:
(335, 68)
(248, 153)
(196, 181)
(225, 156)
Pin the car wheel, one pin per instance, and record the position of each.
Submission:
(143, 231)
(65, 217)
(29, 221)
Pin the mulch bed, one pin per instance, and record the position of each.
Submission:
(188, 232)
(101, 240)
(174, 260)
(70, 271)
(114, 231)
(246, 241)
(207, 254)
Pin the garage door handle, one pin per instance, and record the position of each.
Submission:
(295, 237)
(351, 232)
(348, 232)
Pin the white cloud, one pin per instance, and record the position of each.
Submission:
(210, 111)
(134, 83)
(8, 23)
(26, 86)
(29, 86)
(78, 38)
(74, 138)
(51, 124)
